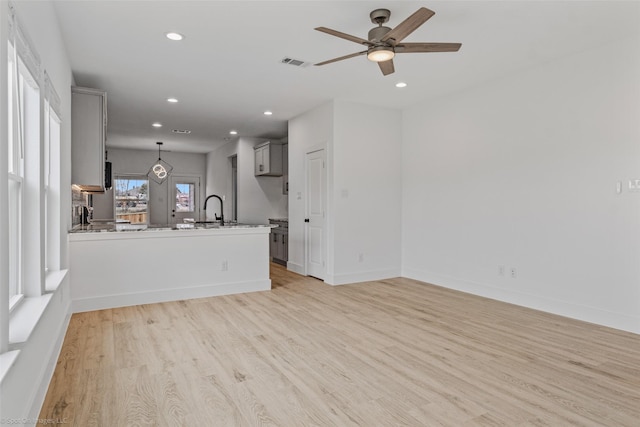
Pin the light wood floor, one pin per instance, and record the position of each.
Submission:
(384, 353)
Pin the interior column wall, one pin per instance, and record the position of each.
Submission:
(366, 192)
(309, 131)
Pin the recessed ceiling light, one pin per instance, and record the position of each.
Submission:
(233, 132)
(172, 100)
(174, 36)
(157, 125)
(401, 84)
(268, 113)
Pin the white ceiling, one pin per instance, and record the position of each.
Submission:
(228, 69)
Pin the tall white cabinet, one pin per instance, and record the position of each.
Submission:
(88, 137)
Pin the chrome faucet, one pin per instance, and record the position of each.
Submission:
(221, 217)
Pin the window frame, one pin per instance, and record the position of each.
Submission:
(131, 177)
(51, 182)
(16, 173)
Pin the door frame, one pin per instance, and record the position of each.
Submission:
(234, 186)
(171, 203)
(306, 211)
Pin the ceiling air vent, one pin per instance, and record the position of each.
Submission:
(294, 62)
(181, 131)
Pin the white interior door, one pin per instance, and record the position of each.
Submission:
(315, 214)
(184, 198)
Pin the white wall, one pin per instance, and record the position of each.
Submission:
(307, 132)
(366, 193)
(259, 198)
(363, 189)
(138, 162)
(522, 173)
(23, 388)
(219, 178)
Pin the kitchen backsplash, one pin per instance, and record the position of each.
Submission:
(80, 207)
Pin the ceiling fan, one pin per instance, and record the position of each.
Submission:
(383, 42)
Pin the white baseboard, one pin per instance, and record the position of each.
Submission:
(25, 385)
(562, 308)
(50, 366)
(296, 268)
(361, 276)
(124, 300)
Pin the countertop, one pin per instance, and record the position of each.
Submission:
(110, 227)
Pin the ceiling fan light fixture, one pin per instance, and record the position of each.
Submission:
(383, 41)
(380, 54)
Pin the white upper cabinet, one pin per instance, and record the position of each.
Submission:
(268, 159)
(88, 137)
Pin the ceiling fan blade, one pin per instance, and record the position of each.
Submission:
(352, 55)
(387, 67)
(409, 25)
(344, 36)
(427, 47)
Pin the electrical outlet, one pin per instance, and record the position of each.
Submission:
(514, 272)
(501, 270)
(225, 265)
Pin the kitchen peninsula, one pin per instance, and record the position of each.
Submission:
(112, 268)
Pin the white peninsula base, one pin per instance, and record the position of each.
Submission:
(116, 269)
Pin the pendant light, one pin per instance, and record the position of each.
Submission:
(160, 169)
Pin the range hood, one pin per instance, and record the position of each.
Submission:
(91, 189)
